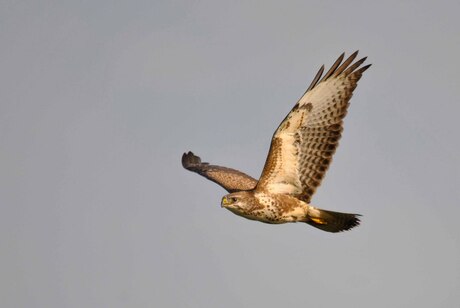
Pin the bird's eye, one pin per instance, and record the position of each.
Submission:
(228, 200)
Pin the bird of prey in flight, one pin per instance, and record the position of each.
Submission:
(300, 153)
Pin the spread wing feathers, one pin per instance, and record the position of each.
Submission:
(302, 146)
(230, 179)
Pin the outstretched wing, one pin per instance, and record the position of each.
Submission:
(230, 179)
(302, 146)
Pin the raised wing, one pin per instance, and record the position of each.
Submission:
(230, 179)
(302, 147)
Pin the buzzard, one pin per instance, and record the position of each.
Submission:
(300, 153)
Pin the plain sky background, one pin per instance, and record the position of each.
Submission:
(99, 99)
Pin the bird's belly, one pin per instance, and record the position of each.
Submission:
(273, 215)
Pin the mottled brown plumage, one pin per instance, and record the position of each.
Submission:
(230, 179)
(300, 154)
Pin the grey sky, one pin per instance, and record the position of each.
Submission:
(100, 99)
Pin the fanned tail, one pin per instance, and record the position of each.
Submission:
(331, 221)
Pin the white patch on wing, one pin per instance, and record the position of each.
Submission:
(286, 179)
(322, 97)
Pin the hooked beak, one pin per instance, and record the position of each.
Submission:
(224, 202)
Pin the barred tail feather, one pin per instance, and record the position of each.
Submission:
(331, 221)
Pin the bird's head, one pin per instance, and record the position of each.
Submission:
(238, 202)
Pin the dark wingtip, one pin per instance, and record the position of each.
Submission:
(345, 64)
(364, 68)
(354, 66)
(347, 67)
(316, 79)
(334, 66)
(190, 160)
(184, 160)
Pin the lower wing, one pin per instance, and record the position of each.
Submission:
(230, 179)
